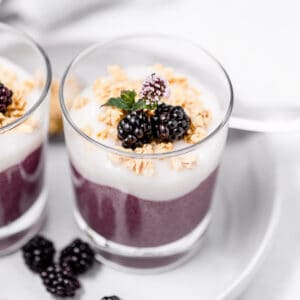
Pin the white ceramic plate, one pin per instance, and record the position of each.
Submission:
(245, 212)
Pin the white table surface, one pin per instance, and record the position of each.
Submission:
(227, 27)
(279, 276)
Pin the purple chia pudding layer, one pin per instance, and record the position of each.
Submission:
(132, 221)
(20, 186)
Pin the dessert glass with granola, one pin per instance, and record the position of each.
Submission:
(145, 135)
(25, 77)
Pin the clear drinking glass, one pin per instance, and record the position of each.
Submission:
(24, 69)
(141, 222)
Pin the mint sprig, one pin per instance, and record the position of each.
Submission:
(127, 102)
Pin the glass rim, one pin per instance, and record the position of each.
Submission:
(46, 86)
(132, 154)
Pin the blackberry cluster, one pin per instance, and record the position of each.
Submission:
(5, 97)
(38, 253)
(78, 256)
(60, 281)
(135, 130)
(170, 123)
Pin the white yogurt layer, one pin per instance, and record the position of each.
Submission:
(166, 183)
(15, 144)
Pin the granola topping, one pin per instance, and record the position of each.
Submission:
(182, 94)
(183, 162)
(21, 90)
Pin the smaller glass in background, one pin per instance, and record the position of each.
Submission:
(135, 219)
(25, 77)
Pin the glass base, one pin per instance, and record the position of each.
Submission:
(14, 235)
(144, 260)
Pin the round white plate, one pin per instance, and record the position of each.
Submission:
(245, 212)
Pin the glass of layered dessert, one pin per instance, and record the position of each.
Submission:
(145, 135)
(25, 77)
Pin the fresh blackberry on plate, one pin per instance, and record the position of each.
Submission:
(38, 253)
(135, 129)
(111, 298)
(60, 281)
(5, 97)
(78, 256)
(170, 123)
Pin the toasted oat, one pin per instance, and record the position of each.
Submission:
(110, 116)
(179, 163)
(137, 166)
(103, 134)
(163, 147)
(141, 166)
(195, 135)
(117, 73)
(112, 85)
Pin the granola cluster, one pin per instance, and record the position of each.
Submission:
(21, 89)
(183, 94)
(141, 166)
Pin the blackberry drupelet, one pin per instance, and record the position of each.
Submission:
(5, 97)
(135, 129)
(60, 281)
(78, 256)
(111, 298)
(38, 253)
(170, 123)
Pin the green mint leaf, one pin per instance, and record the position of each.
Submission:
(125, 102)
(119, 103)
(128, 97)
(140, 104)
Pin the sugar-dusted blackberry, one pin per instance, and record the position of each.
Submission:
(60, 281)
(170, 123)
(78, 256)
(111, 298)
(38, 253)
(5, 97)
(134, 130)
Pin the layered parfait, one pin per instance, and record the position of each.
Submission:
(147, 187)
(21, 154)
